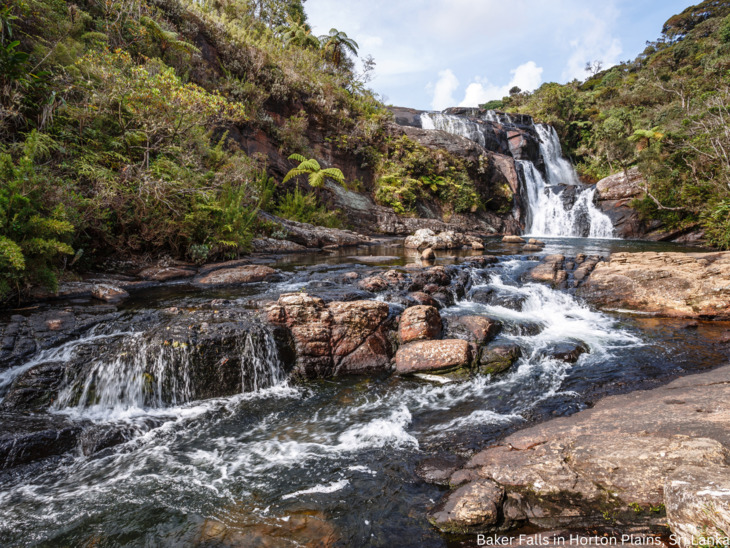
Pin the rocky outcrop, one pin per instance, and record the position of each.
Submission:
(692, 285)
(433, 356)
(477, 329)
(611, 466)
(337, 338)
(614, 195)
(109, 293)
(312, 236)
(497, 358)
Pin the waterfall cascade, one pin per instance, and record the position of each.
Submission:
(144, 373)
(558, 206)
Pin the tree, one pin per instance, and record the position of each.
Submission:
(311, 167)
(514, 90)
(335, 44)
(593, 67)
(277, 12)
(298, 33)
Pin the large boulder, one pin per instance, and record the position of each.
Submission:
(239, 275)
(426, 238)
(614, 196)
(419, 323)
(498, 358)
(693, 285)
(473, 507)
(478, 329)
(434, 356)
(336, 338)
(550, 270)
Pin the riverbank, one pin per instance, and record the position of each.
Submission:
(635, 462)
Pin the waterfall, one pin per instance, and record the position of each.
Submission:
(559, 206)
(144, 373)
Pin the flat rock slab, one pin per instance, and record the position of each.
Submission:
(239, 275)
(690, 285)
(165, 273)
(638, 447)
(432, 356)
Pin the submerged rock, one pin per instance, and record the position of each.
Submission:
(419, 323)
(36, 389)
(109, 293)
(498, 358)
(25, 438)
(428, 254)
(443, 356)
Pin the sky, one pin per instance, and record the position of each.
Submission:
(434, 54)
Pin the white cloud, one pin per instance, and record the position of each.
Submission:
(443, 90)
(527, 77)
(368, 41)
(596, 42)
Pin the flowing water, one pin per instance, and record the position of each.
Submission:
(323, 459)
(558, 205)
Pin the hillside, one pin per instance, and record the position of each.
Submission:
(665, 112)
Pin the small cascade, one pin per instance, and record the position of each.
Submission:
(557, 203)
(148, 373)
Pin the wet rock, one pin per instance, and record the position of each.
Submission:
(697, 501)
(473, 507)
(240, 275)
(523, 328)
(690, 285)
(567, 351)
(382, 281)
(36, 389)
(482, 260)
(427, 238)
(436, 275)
(335, 338)
(428, 254)
(374, 259)
(425, 356)
(529, 248)
(634, 446)
(419, 323)
(350, 276)
(495, 297)
(498, 358)
(424, 298)
(23, 335)
(533, 241)
(513, 240)
(98, 437)
(166, 273)
(437, 470)
(550, 271)
(444, 298)
(478, 329)
(109, 293)
(28, 438)
(476, 244)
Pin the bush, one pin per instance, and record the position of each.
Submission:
(305, 208)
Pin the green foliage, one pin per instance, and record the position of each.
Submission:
(316, 175)
(335, 46)
(32, 234)
(305, 208)
(410, 171)
(298, 33)
(667, 112)
(496, 104)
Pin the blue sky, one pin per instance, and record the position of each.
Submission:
(432, 54)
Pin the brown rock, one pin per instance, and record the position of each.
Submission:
(428, 254)
(533, 241)
(618, 187)
(432, 356)
(513, 240)
(473, 507)
(478, 329)
(426, 237)
(165, 273)
(335, 338)
(108, 293)
(690, 285)
(239, 275)
(529, 248)
(498, 358)
(549, 270)
(419, 323)
(424, 298)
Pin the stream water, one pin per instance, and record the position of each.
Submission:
(290, 464)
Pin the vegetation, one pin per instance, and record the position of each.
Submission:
(120, 127)
(665, 112)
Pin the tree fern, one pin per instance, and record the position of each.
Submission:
(310, 167)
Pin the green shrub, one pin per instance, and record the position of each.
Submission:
(305, 208)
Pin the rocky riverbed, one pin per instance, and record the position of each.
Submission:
(290, 389)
